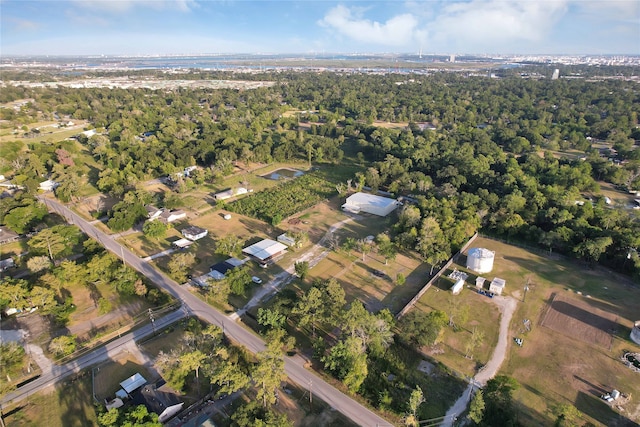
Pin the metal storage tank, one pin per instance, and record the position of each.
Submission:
(480, 260)
(635, 333)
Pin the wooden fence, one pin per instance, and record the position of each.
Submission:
(424, 289)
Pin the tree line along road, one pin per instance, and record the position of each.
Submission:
(294, 366)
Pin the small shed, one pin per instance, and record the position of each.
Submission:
(133, 383)
(480, 282)
(497, 285)
(287, 240)
(7, 235)
(182, 243)
(457, 287)
(6, 264)
(48, 185)
(194, 233)
(227, 194)
(153, 212)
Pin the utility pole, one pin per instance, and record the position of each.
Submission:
(310, 395)
(526, 288)
(153, 321)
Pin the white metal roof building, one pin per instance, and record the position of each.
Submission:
(132, 383)
(265, 251)
(370, 203)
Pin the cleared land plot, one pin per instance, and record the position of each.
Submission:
(554, 368)
(69, 405)
(481, 314)
(108, 376)
(578, 319)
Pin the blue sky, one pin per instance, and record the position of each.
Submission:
(130, 27)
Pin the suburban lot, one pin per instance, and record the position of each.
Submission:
(553, 367)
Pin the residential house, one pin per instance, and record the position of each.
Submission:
(194, 233)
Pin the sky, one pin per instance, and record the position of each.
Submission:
(140, 27)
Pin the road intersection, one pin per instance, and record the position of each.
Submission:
(191, 305)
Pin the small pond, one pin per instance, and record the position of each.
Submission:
(284, 174)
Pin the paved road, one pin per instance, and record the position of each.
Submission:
(294, 366)
(507, 306)
(56, 373)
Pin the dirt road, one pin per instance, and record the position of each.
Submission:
(507, 306)
(313, 256)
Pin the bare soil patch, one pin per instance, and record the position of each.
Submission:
(580, 320)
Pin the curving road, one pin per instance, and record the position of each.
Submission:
(507, 306)
(294, 366)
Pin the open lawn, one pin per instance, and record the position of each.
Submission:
(145, 246)
(375, 291)
(619, 198)
(481, 314)
(109, 375)
(69, 405)
(390, 125)
(555, 367)
(48, 133)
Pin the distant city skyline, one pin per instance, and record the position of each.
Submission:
(138, 27)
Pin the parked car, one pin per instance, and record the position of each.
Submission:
(256, 280)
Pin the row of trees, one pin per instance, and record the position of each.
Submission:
(204, 360)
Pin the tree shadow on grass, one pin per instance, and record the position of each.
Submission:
(75, 397)
(553, 272)
(597, 409)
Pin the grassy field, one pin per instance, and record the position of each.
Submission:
(552, 367)
(109, 375)
(48, 133)
(482, 315)
(68, 405)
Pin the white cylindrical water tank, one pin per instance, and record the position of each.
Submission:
(480, 260)
(635, 333)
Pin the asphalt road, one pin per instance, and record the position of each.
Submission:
(101, 354)
(294, 366)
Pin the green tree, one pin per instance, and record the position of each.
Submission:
(400, 279)
(56, 241)
(386, 248)
(477, 336)
(37, 264)
(63, 345)
(180, 264)
(567, 416)
(218, 290)
(230, 244)
(476, 407)
(310, 309)
(302, 269)
(415, 400)
(238, 279)
(22, 219)
(498, 398)
(422, 329)
(269, 373)
(271, 318)
(154, 229)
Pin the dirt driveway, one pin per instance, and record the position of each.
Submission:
(507, 307)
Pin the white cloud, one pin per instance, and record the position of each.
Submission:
(397, 31)
(494, 24)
